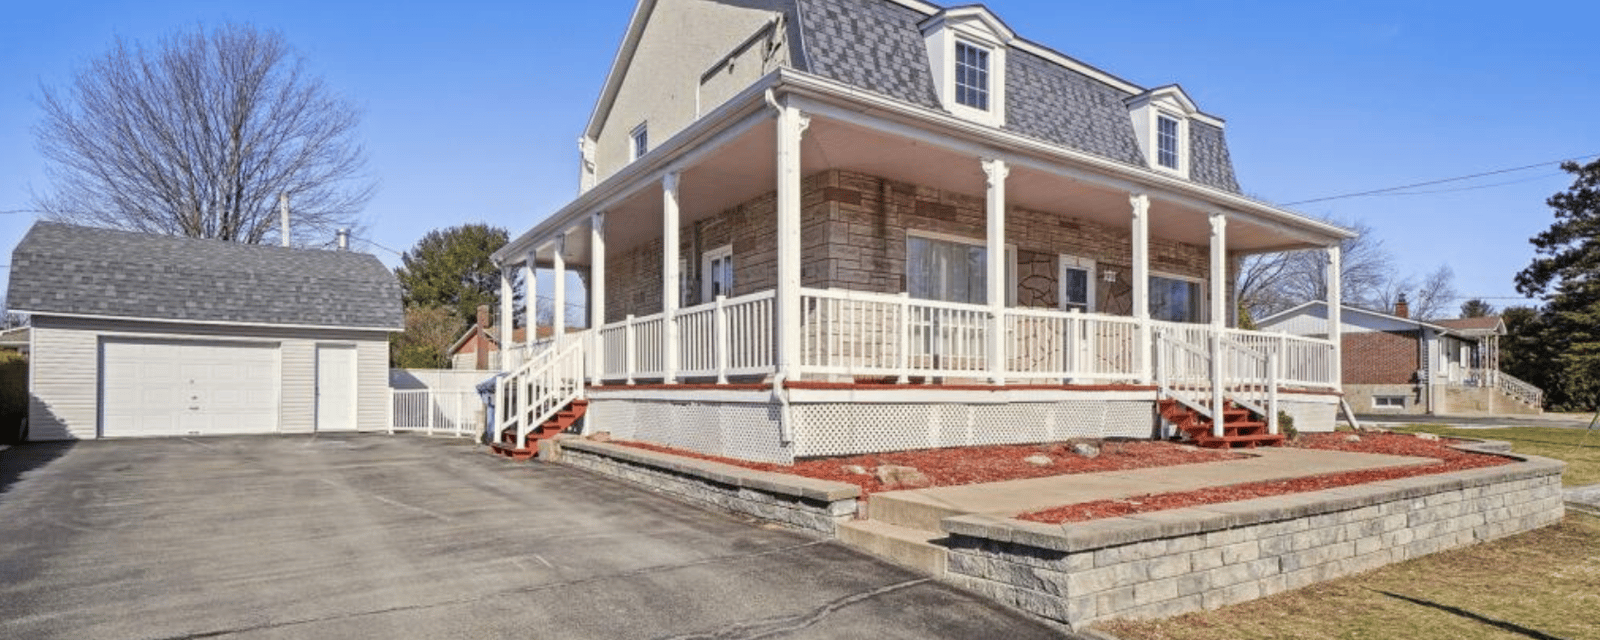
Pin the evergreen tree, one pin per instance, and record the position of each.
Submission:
(1477, 308)
(452, 268)
(1566, 272)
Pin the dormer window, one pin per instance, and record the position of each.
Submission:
(972, 75)
(1167, 142)
(967, 55)
(1161, 121)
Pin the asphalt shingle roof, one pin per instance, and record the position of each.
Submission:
(877, 45)
(71, 270)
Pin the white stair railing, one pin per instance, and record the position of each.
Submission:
(540, 388)
(1205, 379)
(1518, 389)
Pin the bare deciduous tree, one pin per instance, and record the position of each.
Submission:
(199, 137)
(1436, 295)
(1273, 282)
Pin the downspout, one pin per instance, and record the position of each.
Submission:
(779, 392)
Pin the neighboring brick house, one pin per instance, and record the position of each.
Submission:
(478, 348)
(820, 227)
(1398, 364)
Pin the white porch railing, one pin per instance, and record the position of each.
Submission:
(544, 385)
(726, 337)
(453, 412)
(854, 333)
(1516, 388)
(1224, 370)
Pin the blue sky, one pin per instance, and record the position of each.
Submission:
(472, 109)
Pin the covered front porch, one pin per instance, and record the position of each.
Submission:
(795, 241)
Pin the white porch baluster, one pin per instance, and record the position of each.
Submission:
(719, 320)
(669, 278)
(995, 274)
(1141, 281)
(597, 294)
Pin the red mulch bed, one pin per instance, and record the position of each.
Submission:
(1389, 443)
(974, 465)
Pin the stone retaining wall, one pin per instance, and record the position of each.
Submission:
(1170, 562)
(803, 503)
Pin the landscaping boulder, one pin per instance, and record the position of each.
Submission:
(1427, 436)
(1086, 450)
(1039, 460)
(1352, 438)
(854, 469)
(902, 477)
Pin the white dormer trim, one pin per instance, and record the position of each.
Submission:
(974, 26)
(1148, 109)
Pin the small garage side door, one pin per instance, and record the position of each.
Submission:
(171, 388)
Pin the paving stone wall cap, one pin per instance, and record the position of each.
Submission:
(1108, 532)
(777, 483)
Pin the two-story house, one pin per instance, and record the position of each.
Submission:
(825, 227)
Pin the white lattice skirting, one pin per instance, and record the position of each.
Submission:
(753, 430)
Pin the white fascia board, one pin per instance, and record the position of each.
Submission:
(211, 323)
(701, 137)
(619, 67)
(963, 134)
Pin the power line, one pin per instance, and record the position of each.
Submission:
(1391, 190)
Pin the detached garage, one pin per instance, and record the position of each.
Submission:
(141, 335)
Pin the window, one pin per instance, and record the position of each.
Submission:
(945, 270)
(952, 270)
(1176, 300)
(640, 139)
(1077, 284)
(1388, 402)
(972, 76)
(716, 273)
(1167, 142)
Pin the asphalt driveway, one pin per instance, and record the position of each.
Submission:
(401, 537)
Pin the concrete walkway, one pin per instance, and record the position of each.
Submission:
(923, 508)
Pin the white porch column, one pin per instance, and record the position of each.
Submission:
(995, 273)
(1141, 281)
(559, 266)
(1333, 275)
(503, 323)
(530, 300)
(597, 294)
(791, 126)
(1219, 270)
(669, 277)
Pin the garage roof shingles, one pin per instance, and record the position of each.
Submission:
(62, 269)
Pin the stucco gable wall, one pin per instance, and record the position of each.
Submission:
(681, 41)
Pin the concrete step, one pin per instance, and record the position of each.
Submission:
(913, 549)
(909, 509)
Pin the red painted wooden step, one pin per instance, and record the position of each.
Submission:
(561, 421)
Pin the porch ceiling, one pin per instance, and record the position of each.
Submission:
(745, 168)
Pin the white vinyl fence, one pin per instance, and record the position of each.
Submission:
(436, 401)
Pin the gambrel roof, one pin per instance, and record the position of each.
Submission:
(69, 270)
(877, 45)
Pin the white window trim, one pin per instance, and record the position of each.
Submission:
(1183, 142)
(1389, 407)
(974, 26)
(706, 274)
(1146, 111)
(1075, 262)
(1205, 293)
(634, 153)
(1011, 256)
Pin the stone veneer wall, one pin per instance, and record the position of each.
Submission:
(1170, 562)
(803, 503)
(853, 236)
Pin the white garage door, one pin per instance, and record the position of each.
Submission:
(153, 388)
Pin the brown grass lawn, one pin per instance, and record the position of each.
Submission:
(1583, 462)
(1539, 585)
(1542, 585)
